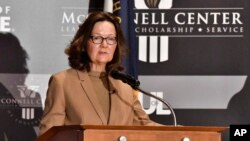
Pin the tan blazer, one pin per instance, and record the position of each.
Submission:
(71, 100)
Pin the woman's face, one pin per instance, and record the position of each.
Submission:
(102, 43)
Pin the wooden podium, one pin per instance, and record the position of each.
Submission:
(132, 133)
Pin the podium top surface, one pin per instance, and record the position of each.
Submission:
(56, 129)
(157, 128)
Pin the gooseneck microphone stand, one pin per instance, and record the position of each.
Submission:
(160, 99)
(135, 85)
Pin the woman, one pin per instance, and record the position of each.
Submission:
(85, 93)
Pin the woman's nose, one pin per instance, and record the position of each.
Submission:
(104, 43)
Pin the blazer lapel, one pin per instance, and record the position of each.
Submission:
(89, 91)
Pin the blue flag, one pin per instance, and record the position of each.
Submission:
(124, 10)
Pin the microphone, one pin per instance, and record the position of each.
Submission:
(135, 85)
(125, 78)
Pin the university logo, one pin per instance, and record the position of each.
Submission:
(22, 104)
(153, 48)
(25, 105)
(28, 97)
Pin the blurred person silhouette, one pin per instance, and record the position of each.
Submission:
(20, 107)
